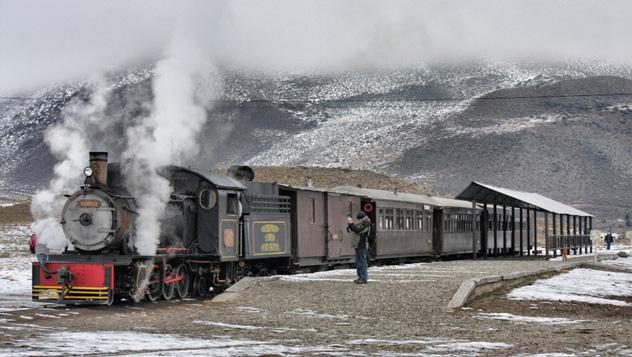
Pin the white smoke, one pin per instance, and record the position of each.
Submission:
(69, 143)
(184, 86)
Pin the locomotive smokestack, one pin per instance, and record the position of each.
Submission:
(99, 165)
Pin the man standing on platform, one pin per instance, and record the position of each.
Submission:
(361, 231)
(609, 240)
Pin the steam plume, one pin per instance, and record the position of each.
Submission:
(183, 87)
(69, 142)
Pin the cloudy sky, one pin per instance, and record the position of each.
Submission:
(45, 42)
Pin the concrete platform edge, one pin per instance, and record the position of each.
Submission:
(467, 289)
(234, 290)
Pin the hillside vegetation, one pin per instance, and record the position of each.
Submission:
(332, 177)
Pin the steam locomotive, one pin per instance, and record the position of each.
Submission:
(219, 228)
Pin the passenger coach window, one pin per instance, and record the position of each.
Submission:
(388, 218)
(231, 203)
(382, 224)
(419, 220)
(410, 219)
(399, 218)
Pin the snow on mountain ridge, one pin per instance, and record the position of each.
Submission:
(349, 119)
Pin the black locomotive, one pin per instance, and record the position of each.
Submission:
(217, 229)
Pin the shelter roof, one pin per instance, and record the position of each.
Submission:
(482, 193)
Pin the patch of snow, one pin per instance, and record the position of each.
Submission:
(552, 354)
(147, 344)
(249, 327)
(228, 326)
(527, 319)
(580, 285)
(436, 345)
(316, 315)
(48, 316)
(384, 342)
(474, 346)
(15, 284)
(407, 273)
(250, 309)
(625, 263)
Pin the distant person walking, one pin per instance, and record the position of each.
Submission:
(609, 240)
(361, 231)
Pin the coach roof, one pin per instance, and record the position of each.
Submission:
(383, 195)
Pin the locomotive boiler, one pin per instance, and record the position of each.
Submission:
(99, 217)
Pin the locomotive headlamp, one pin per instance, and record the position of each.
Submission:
(87, 171)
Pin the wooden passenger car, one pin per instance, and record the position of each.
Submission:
(403, 222)
(319, 222)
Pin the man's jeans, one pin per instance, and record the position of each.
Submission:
(361, 264)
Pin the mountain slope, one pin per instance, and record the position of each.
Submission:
(425, 124)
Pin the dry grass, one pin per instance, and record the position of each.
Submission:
(331, 177)
(17, 213)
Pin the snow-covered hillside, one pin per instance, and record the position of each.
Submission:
(424, 124)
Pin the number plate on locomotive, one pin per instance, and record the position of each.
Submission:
(89, 204)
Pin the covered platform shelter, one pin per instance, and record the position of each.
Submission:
(498, 215)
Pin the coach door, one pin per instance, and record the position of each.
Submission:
(339, 207)
(437, 231)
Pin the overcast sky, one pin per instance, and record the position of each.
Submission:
(44, 42)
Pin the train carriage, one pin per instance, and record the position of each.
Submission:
(319, 235)
(402, 221)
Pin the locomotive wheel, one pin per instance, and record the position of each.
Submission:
(168, 289)
(182, 286)
(199, 286)
(154, 287)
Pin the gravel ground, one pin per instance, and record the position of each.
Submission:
(400, 312)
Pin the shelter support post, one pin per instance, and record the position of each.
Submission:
(485, 229)
(575, 235)
(521, 228)
(513, 231)
(586, 232)
(474, 248)
(568, 230)
(495, 231)
(582, 246)
(562, 233)
(546, 234)
(555, 237)
(528, 232)
(590, 229)
(504, 226)
(535, 231)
